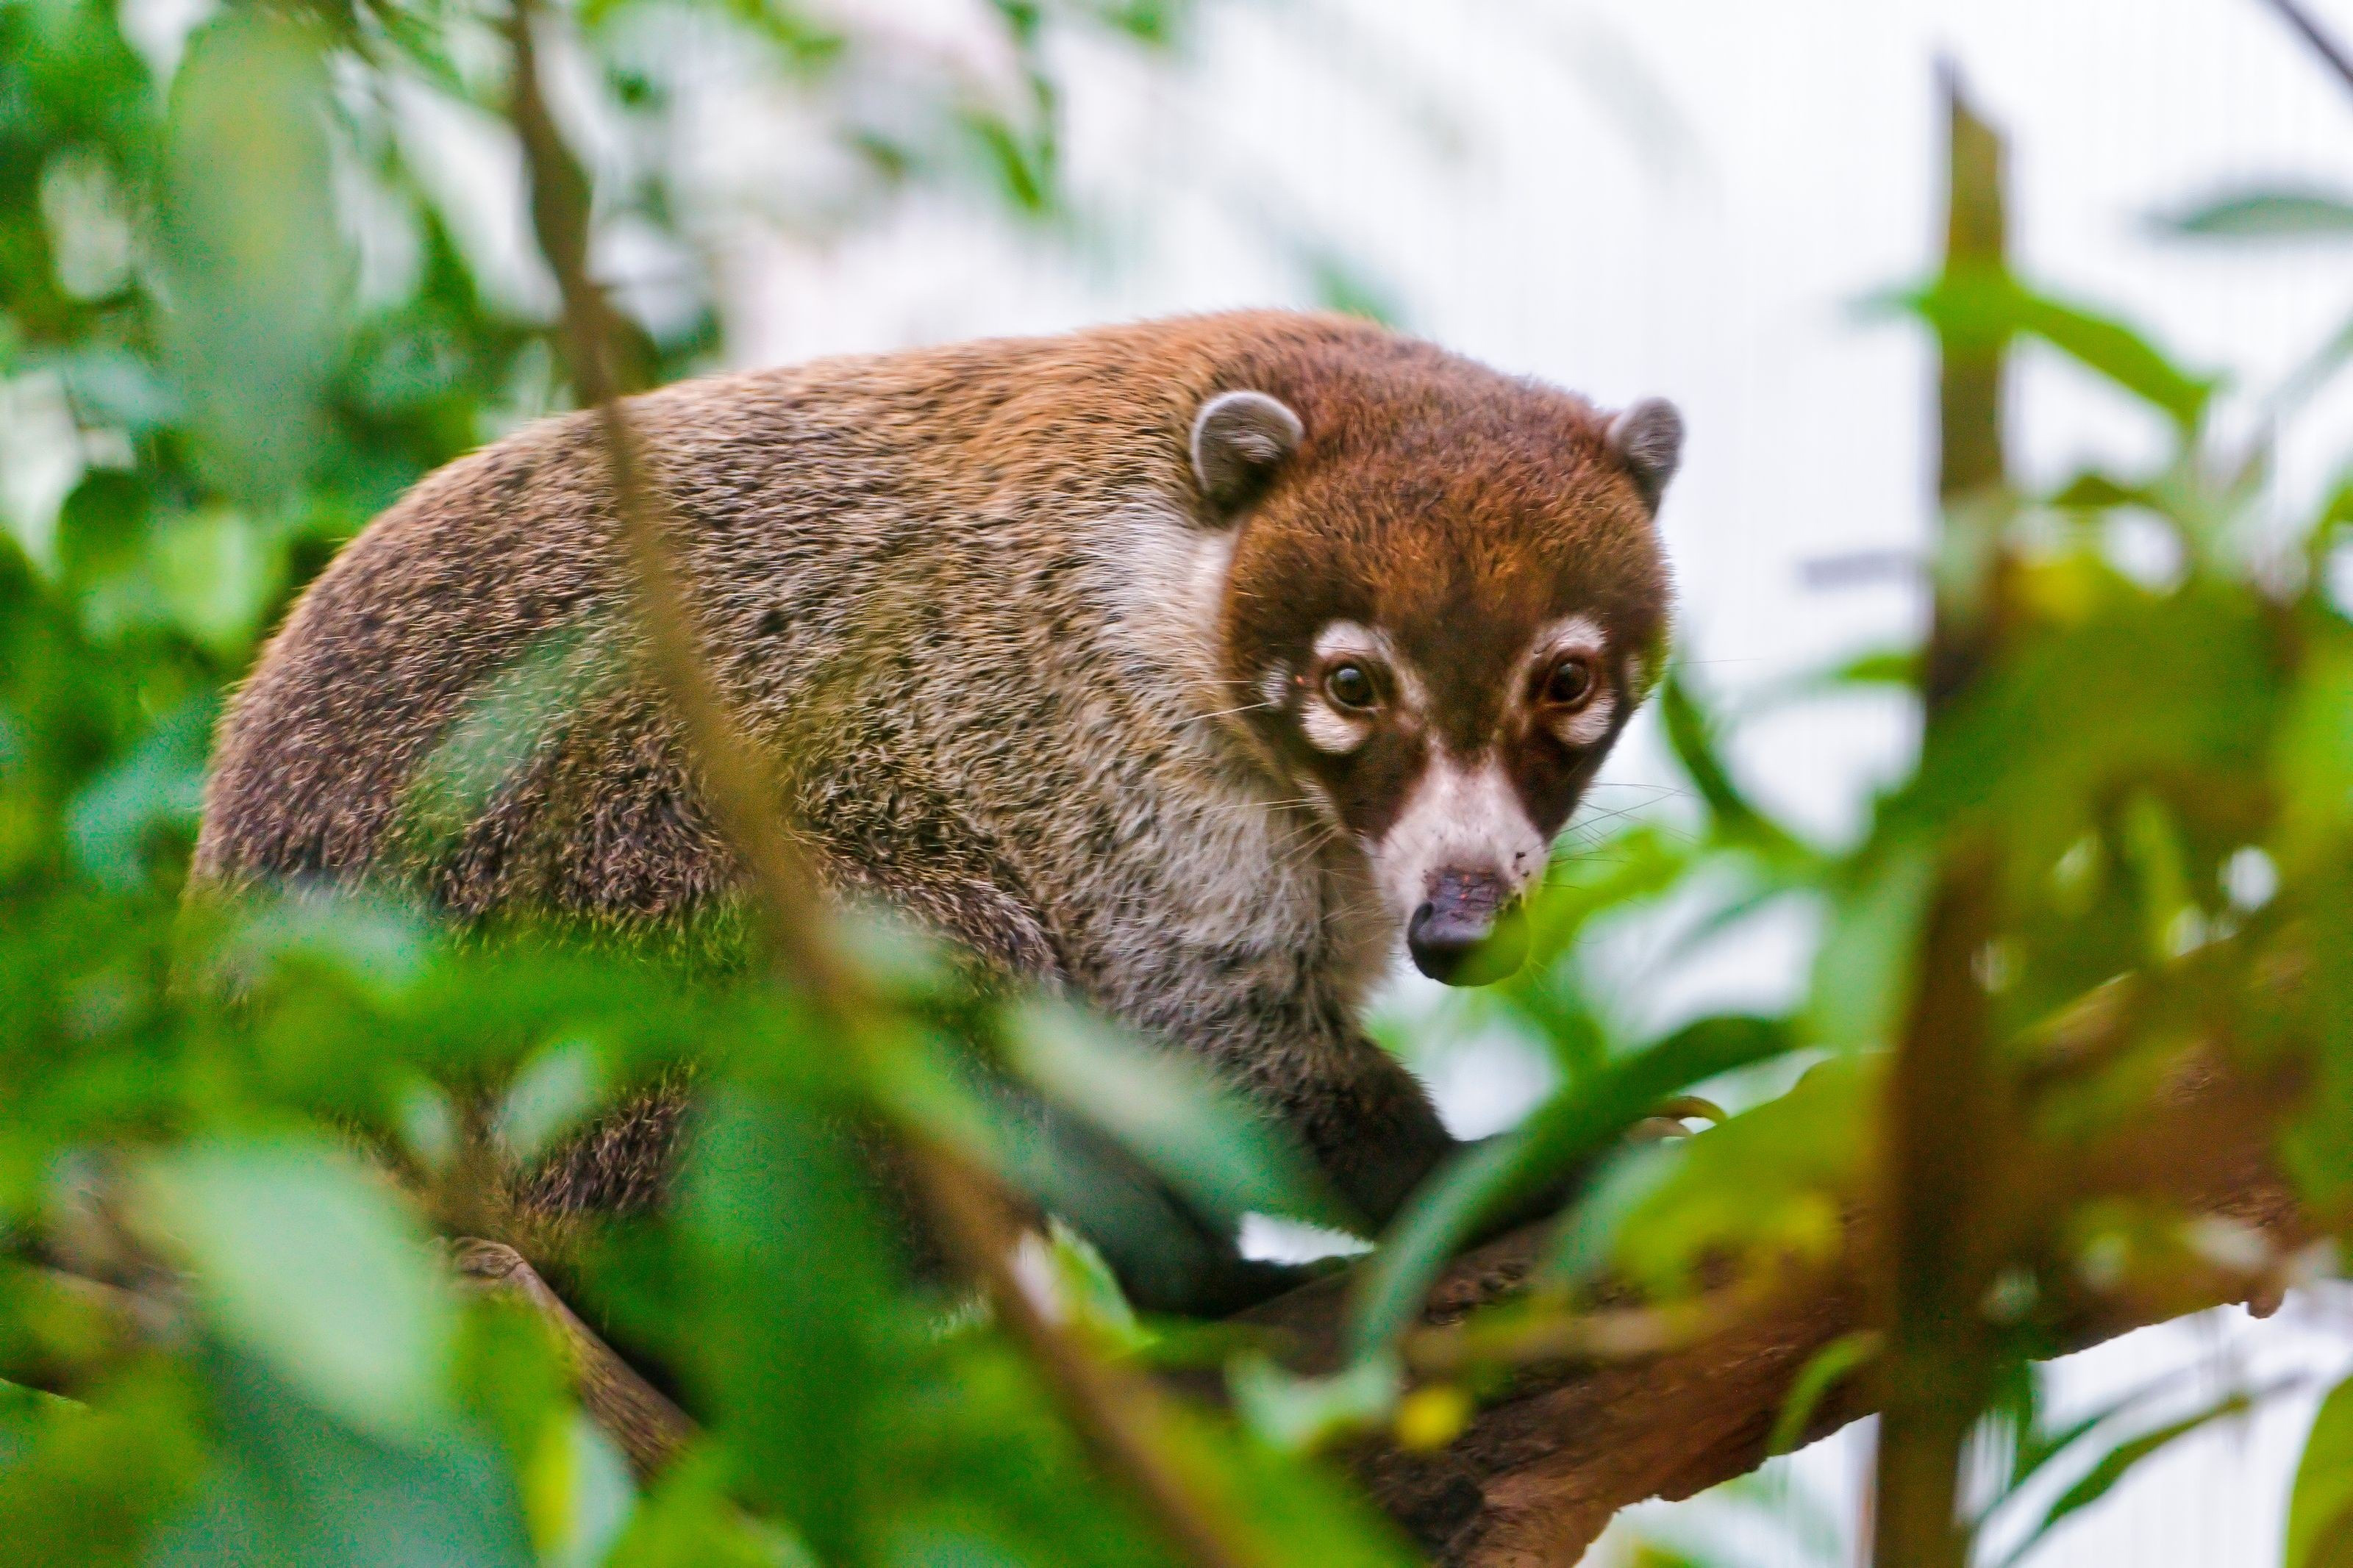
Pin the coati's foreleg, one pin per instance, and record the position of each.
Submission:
(1371, 1127)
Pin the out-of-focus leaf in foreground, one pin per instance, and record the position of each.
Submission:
(1171, 1114)
(1769, 1186)
(297, 1489)
(1568, 1130)
(793, 1314)
(2265, 215)
(2320, 1508)
(313, 1267)
(252, 258)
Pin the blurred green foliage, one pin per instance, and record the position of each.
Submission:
(237, 319)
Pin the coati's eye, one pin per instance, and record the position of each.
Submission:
(1570, 682)
(1350, 685)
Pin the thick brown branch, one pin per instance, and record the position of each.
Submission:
(1540, 1471)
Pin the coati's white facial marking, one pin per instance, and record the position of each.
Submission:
(1451, 809)
(1329, 732)
(1585, 722)
(1461, 818)
(1329, 723)
(1161, 579)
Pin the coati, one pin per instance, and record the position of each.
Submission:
(1194, 665)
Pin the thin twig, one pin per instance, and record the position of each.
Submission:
(737, 787)
(1118, 1416)
(1606, 1334)
(2327, 48)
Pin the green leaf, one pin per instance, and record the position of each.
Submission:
(1212, 1145)
(1692, 733)
(2038, 1447)
(2318, 1144)
(1301, 1414)
(506, 722)
(792, 1326)
(1624, 1182)
(1281, 1508)
(1512, 1168)
(1825, 1370)
(1983, 307)
(159, 783)
(1771, 1183)
(310, 1264)
(687, 1521)
(2320, 1505)
(91, 1486)
(579, 1493)
(2265, 215)
(2118, 1462)
(2118, 353)
(2091, 490)
(252, 258)
(554, 1092)
(1863, 968)
(217, 571)
(294, 1488)
(2313, 759)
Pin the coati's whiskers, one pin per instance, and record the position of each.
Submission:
(1588, 823)
(1310, 846)
(1251, 807)
(1226, 712)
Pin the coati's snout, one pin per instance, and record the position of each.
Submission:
(1438, 632)
(1468, 932)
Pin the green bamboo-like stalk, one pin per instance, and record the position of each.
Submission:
(1948, 1104)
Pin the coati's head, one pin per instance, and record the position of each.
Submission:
(1444, 599)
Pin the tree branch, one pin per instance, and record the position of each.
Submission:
(1116, 1414)
(636, 1415)
(1541, 1470)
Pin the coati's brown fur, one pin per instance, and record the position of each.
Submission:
(1031, 650)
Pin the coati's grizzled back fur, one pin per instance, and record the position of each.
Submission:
(981, 605)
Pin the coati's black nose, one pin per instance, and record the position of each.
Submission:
(1463, 933)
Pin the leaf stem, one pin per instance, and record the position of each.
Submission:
(1119, 1418)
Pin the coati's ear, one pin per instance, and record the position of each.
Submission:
(1240, 438)
(1648, 439)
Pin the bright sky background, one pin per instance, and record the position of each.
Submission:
(1689, 197)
